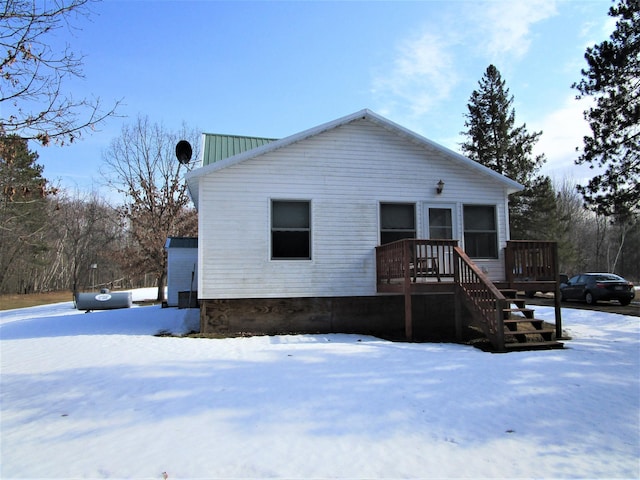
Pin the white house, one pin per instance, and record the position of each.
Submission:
(288, 230)
(182, 265)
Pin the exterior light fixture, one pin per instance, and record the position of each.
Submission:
(440, 187)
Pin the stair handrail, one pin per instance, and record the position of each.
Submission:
(481, 296)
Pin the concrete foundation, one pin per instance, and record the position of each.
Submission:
(382, 315)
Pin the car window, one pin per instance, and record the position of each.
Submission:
(574, 280)
(604, 278)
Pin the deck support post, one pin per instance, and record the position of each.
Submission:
(556, 294)
(457, 299)
(408, 321)
(457, 309)
(407, 255)
(406, 262)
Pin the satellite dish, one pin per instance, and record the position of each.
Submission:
(183, 151)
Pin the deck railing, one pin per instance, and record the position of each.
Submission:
(415, 260)
(529, 261)
(481, 297)
(533, 265)
(402, 265)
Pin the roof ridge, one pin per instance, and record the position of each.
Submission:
(239, 136)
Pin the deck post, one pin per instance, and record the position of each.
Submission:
(557, 295)
(408, 326)
(457, 297)
(457, 311)
(406, 260)
(508, 263)
(499, 322)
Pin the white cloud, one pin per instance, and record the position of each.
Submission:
(422, 74)
(429, 65)
(563, 131)
(505, 27)
(595, 32)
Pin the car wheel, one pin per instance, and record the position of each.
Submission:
(625, 302)
(588, 297)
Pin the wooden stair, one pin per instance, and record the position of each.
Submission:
(522, 331)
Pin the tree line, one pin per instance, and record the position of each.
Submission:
(53, 240)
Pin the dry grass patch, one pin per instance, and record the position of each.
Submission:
(11, 301)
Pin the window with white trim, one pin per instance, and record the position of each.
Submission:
(290, 230)
(397, 221)
(480, 231)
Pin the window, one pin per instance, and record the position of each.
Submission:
(480, 232)
(397, 221)
(290, 230)
(440, 224)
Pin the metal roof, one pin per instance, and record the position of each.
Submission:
(218, 147)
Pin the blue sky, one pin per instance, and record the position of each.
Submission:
(273, 68)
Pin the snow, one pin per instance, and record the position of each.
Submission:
(96, 395)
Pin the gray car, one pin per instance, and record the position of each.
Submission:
(593, 287)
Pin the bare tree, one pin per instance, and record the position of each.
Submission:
(592, 241)
(142, 165)
(88, 232)
(32, 74)
(577, 222)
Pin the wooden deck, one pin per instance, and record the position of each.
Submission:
(418, 266)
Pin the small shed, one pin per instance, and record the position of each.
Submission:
(182, 269)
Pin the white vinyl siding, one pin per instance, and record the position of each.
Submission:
(346, 174)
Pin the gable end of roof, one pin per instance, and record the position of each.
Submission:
(193, 176)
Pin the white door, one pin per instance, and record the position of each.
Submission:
(439, 222)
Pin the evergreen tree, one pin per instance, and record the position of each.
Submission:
(539, 210)
(23, 192)
(494, 140)
(613, 80)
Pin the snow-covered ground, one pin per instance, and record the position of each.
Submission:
(98, 396)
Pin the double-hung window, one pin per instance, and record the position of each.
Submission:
(480, 231)
(397, 221)
(290, 230)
